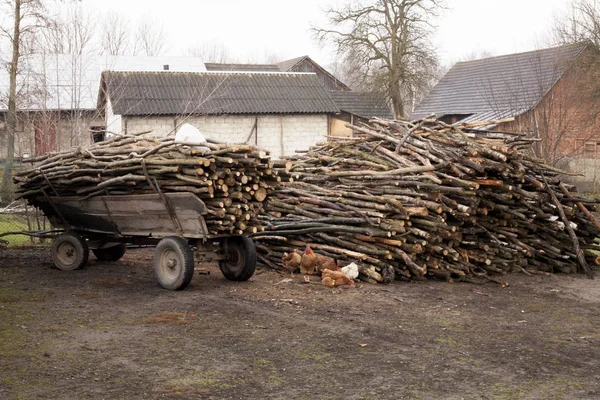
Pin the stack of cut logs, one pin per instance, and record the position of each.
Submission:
(409, 200)
(233, 180)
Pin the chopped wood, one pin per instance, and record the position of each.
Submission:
(233, 180)
(425, 199)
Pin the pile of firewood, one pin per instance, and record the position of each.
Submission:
(409, 200)
(233, 180)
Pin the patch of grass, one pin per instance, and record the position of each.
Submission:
(14, 223)
(18, 223)
(171, 318)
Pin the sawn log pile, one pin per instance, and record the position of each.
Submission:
(410, 200)
(233, 180)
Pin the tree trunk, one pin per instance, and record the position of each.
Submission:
(11, 118)
(397, 104)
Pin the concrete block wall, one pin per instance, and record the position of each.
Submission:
(158, 125)
(280, 134)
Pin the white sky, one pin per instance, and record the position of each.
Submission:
(257, 28)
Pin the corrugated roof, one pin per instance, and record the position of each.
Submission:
(242, 67)
(71, 82)
(364, 104)
(287, 65)
(171, 93)
(510, 82)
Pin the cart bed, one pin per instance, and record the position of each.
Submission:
(146, 215)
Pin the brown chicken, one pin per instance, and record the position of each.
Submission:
(335, 278)
(324, 262)
(308, 263)
(291, 261)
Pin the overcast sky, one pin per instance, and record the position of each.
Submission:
(281, 27)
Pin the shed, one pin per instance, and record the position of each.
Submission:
(281, 112)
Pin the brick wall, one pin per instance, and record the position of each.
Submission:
(567, 117)
(280, 134)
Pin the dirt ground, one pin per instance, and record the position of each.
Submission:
(109, 331)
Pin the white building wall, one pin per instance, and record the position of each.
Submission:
(114, 123)
(280, 134)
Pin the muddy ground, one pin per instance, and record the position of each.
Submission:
(109, 331)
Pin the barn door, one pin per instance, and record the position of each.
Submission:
(45, 137)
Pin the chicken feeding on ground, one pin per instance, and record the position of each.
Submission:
(335, 278)
(291, 261)
(308, 263)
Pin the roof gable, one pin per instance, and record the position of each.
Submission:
(515, 82)
(307, 64)
(171, 93)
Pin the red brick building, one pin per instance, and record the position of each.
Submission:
(553, 94)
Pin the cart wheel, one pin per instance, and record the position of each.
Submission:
(240, 258)
(173, 263)
(69, 252)
(112, 253)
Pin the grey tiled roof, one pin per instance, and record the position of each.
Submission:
(512, 82)
(173, 93)
(364, 104)
(242, 67)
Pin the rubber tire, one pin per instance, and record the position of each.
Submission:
(174, 249)
(70, 252)
(113, 253)
(240, 261)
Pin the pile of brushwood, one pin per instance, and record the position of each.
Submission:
(409, 200)
(232, 180)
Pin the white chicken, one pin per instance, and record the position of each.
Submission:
(351, 271)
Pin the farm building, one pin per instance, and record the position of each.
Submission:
(354, 106)
(281, 112)
(57, 97)
(551, 93)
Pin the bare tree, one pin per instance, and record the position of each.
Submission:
(149, 38)
(387, 46)
(266, 57)
(115, 34)
(24, 19)
(477, 55)
(70, 32)
(580, 23)
(211, 51)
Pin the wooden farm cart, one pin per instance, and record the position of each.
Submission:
(173, 222)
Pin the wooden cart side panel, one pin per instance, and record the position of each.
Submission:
(135, 215)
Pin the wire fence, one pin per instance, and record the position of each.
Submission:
(16, 216)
